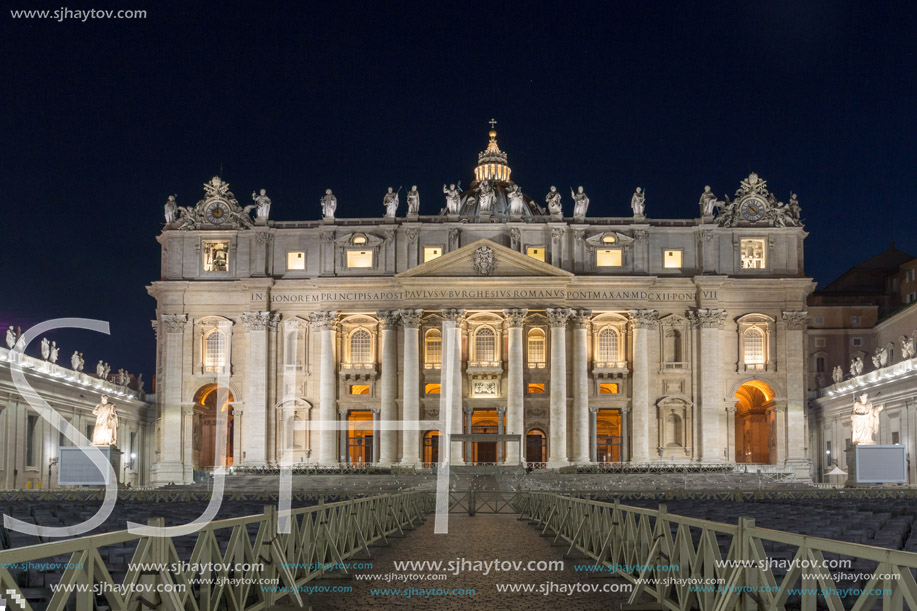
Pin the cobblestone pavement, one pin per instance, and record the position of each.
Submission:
(485, 537)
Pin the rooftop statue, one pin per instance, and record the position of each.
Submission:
(856, 366)
(171, 208)
(638, 202)
(391, 201)
(105, 432)
(413, 201)
(864, 422)
(486, 197)
(452, 199)
(329, 204)
(12, 336)
(554, 205)
(45, 348)
(580, 203)
(708, 203)
(264, 204)
(908, 347)
(837, 374)
(516, 202)
(76, 361)
(53, 352)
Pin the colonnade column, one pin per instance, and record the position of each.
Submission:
(625, 436)
(731, 433)
(256, 438)
(323, 322)
(594, 434)
(557, 452)
(796, 323)
(469, 447)
(710, 414)
(515, 421)
(376, 414)
(169, 468)
(501, 415)
(410, 438)
(451, 381)
(581, 453)
(388, 441)
(643, 322)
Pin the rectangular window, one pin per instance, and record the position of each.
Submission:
(216, 256)
(820, 342)
(296, 260)
(828, 449)
(359, 258)
(753, 253)
(359, 389)
(536, 389)
(895, 437)
(820, 364)
(432, 252)
(608, 257)
(536, 252)
(132, 447)
(819, 320)
(854, 320)
(431, 389)
(671, 259)
(31, 456)
(608, 389)
(856, 341)
(911, 297)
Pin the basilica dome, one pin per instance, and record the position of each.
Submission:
(491, 193)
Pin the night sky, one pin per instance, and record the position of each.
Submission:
(103, 120)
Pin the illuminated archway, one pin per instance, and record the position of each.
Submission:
(608, 435)
(536, 446)
(360, 437)
(431, 447)
(204, 427)
(755, 423)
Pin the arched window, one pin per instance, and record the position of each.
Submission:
(672, 346)
(215, 351)
(485, 345)
(608, 345)
(754, 346)
(536, 346)
(361, 345)
(433, 347)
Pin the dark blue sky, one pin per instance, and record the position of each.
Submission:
(102, 120)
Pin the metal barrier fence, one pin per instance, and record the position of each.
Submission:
(228, 566)
(684, 571)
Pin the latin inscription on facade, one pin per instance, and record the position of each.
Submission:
(497, 294)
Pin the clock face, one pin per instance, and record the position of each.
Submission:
(217, 213)
(753, 209)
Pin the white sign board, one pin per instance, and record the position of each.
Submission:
(881, 464)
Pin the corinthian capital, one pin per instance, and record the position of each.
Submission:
(454, 314)
(558, 316)
(644, 319)
(411, 318)
(388, 318)
(256, 321)
(322, 321)
(796, 321)
(581, 318)
(709, 318)
(515, 316)
(174, 323)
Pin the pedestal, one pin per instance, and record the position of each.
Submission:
(75, 467)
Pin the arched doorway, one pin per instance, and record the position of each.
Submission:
(360, 437)
(536, 446)
(431, 447)
(484, 421)
(608, 435)
(756, 424)
(204, 427)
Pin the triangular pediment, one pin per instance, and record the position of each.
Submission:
(476, 260)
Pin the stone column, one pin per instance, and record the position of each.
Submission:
(376, 413)
(323, 323)
(593, 434)
(342, 438)
(731, 432)
(237, 425)
(256, 437)
(169, 468)
(644, 322)
(501, 414)
(711, 420)
(557, 455)
(581, 454)
(781, 411)
(187, 427)
(388, 439)
(796, 323)
(451, 379)
(515, 422)
(410, 438)
(625, 434)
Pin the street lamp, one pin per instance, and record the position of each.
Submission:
(51, 463)
(129, 465)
